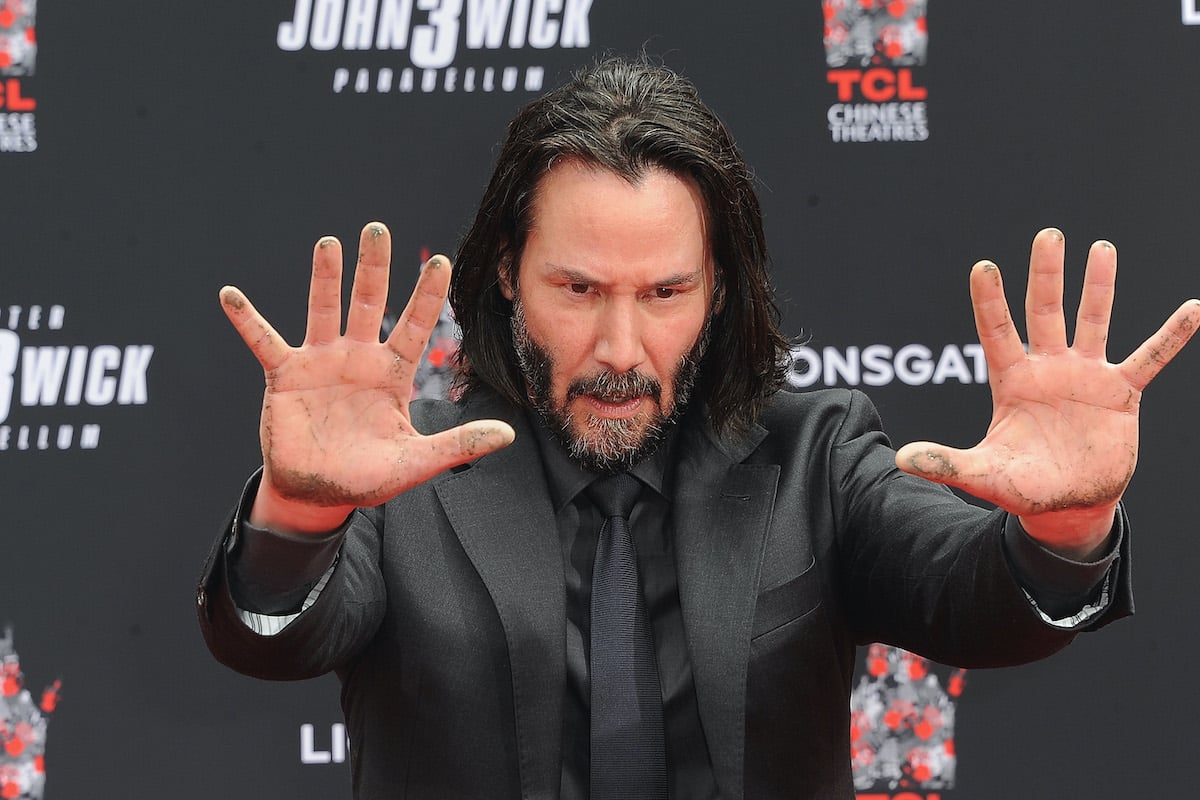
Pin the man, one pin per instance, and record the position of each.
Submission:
(449, 559)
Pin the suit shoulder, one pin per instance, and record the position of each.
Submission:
(814, 421)
(431, 416)
(434, 415)
(788, 409)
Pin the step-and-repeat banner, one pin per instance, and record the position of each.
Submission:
(152, 152)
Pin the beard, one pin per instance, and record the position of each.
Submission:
(602, 444)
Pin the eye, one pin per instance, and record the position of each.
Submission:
(665, 292)
(578, 288)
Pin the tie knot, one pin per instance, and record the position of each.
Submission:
(615, 495)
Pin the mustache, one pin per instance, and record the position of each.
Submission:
(615, 388)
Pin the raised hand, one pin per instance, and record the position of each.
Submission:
(335, 429)
(1063, 440)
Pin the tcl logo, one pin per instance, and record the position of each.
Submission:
(876, 85)
(11, 97)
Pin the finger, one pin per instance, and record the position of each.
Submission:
(1044, 319)
(325, 292)
(1156, 352)
(998, 336)
(1096, 302)
(411, 334)
(368, 298)
(264, 341)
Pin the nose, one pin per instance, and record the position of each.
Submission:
(619, 345)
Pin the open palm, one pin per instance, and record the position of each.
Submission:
(1063, 440)
(336, 431)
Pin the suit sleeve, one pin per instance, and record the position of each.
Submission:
(928, 572)
(327, 634)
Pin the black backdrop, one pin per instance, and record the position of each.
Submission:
(159, 150)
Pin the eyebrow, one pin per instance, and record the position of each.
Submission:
(574, 275)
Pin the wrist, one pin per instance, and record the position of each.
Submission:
(273, 511)
(1080, 534)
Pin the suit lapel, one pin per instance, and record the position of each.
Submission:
(501, 511)
(722, 513)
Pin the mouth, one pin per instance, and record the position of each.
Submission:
(614, 406)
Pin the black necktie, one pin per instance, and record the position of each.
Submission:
(628, 761)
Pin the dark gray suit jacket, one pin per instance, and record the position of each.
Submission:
(445, 616)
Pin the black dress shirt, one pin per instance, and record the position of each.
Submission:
(689, 768)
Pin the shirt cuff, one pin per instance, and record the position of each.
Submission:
(271, 572)
(271, 624)
(1065, 592)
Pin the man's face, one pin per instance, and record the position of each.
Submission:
(611, 304)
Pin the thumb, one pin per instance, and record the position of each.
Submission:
(470, 441)
(937, 463)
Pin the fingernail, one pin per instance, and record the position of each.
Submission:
(1055, 233)
(231, 298)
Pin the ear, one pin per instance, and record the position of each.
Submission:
(718, 302)
(504, 276)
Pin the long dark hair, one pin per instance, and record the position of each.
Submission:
(626, 116)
